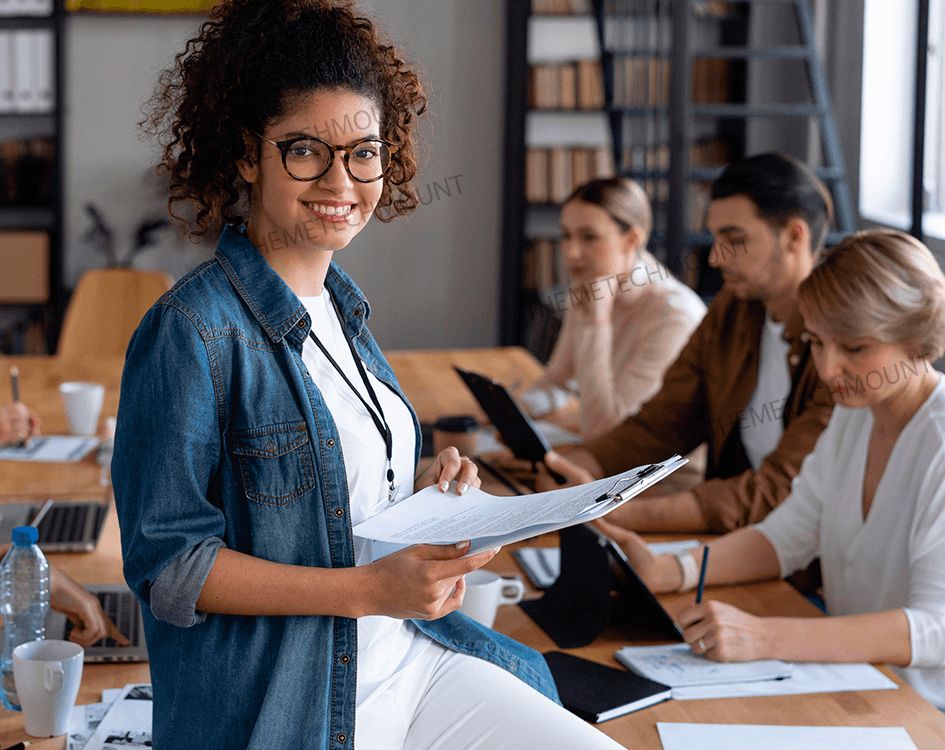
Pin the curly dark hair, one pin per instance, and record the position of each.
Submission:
(249, 64)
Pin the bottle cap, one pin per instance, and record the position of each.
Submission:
(24, 536)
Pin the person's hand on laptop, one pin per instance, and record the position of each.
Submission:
(85, 611)
(17, 423)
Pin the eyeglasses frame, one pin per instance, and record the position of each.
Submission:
(284, 147)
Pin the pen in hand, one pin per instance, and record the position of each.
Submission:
(705, 562)
(15, 388)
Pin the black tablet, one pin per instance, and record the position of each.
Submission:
(517, 429)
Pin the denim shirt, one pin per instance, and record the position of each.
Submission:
(224, 440)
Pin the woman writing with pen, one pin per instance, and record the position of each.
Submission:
(869, 500)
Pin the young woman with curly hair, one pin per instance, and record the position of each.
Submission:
(259, 422)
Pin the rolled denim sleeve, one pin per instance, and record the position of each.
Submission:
(167, 452)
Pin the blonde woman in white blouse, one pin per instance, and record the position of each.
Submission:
(869, 500)
(626, 317)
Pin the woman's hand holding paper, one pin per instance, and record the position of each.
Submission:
(422, 582)
(446, 467)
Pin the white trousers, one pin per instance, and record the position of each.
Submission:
(452, 701)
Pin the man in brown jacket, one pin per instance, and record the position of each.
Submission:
(745, 383)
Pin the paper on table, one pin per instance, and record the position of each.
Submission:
(431, 517)
(128, 720)
(675, 665)
(751, 736)
(51, 448)
(805, 678)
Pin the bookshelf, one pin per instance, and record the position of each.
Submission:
(589, 94)
(680, 101)
(31, 210)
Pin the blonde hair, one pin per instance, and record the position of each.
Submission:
(880, 284)
(623, 200)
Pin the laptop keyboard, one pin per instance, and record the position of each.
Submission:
(64, 523)
(122, 607)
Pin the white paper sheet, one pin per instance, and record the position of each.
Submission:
(432, 517)
(675, 665)
(753, 736)
(51, 448)
(805, 678)
(127, 724)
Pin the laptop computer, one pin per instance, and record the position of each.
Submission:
(125, 610)
(517, 429)
(68, 526)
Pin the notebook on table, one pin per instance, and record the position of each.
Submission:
(68, 526)
(125, 610)
(598, 693)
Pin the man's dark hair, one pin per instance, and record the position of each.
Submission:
(781, 188)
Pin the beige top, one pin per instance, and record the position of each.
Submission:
(615, 369)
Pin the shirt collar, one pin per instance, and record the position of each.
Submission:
(276, 307)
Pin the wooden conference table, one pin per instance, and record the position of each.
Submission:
(435, 390)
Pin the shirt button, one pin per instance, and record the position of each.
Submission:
(357, 312)
(513, 665)
(339, 512)
(793, 360)
(271, 447)
(345, 658)
(301, 323)
(342, 737)
(805, 337)
(330, 442)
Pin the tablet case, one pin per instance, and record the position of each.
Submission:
(579, 605)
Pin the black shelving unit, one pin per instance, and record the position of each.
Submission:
(48, 216)
(678, 33)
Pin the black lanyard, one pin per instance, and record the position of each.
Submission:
(379, 421)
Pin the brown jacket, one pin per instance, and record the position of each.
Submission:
(704, 396)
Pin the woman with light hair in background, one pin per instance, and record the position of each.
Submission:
(626, 317)
(869, 500)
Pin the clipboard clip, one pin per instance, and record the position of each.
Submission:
(615, 496)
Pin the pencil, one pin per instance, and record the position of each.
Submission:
(705, 561)
(15, 387)
(15, 382)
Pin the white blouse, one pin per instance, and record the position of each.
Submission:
(893, 559)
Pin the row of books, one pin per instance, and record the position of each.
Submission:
(562, 7)
(551, 174)
(641, 81)
(543, 265)
(26, 71)
(578, 85)
(27, 171)
(26, 8)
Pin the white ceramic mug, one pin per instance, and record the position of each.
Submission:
(83, 404)
(47, 675)
(485, 591)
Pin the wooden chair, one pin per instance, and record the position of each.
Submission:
(106, 308)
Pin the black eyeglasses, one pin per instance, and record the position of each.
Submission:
(306, 158)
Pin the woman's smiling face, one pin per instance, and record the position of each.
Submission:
(325, 213)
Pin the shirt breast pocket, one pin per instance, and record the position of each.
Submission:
(275, 462)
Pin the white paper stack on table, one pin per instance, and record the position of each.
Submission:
(123, 718)
(432, 517)
(693, 677)
(751, 736)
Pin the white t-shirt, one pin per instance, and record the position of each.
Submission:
(385, 645)
(761, 421)
(895, 558)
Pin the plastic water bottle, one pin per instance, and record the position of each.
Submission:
(24, 602)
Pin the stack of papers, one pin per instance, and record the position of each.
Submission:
(678, 667)
(122, 719)
(58, 448)
(432, 517)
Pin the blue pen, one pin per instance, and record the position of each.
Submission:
(705, 561)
